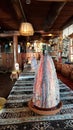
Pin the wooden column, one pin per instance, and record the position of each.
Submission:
(15, 46)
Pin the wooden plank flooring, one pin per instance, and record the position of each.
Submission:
(6, 84)
(65, 80)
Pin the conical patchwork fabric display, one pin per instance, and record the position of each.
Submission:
(46, 95)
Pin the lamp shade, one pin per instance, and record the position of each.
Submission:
(26, 29)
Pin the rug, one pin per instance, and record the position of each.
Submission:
(16, 114)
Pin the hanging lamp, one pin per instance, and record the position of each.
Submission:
(26, 28)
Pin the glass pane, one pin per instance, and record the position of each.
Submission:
(70, 29)
(71, 50)
(71, 58)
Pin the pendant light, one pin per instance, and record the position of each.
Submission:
(26, 28)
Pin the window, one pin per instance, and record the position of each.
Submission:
(71, 50)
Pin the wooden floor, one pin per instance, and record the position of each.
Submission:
(65, 80)
(6, 83)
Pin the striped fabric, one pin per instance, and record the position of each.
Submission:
(17, 116)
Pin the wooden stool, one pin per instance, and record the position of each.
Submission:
(14, 75)
(2, 102)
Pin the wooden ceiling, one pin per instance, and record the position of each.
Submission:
(46, 16)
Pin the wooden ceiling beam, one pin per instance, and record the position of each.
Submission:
(55, 10)
(16, 6)
(68, 23)
(57, 0)
(9, 34)
(8, 18)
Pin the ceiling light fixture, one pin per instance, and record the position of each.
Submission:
(26, 28)
(28, 1)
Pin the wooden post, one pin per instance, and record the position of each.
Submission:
(15, 49)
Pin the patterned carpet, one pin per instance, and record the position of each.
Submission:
(16, 114)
